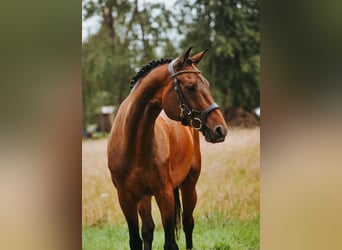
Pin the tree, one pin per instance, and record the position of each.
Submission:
(230, 29)
(129, 36)
(135, 32)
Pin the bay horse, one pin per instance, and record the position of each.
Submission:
(154, 148)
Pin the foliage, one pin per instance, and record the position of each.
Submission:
(230, 30)
(128, 38)
(104, 75)
(135, 32)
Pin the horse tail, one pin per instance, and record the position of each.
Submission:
(178, 211)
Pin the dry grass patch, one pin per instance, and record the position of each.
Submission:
(228, 185)
(99, 198)
(229, 182)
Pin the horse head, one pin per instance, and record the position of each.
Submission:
(187, 98)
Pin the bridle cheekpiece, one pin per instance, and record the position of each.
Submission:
(197, 117)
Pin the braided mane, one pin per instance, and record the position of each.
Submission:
(147, 68)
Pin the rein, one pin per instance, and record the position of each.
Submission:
(197, 117)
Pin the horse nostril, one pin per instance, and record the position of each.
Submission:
(219, 132)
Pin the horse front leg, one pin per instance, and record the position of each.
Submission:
(189, 199)
(129, 208)
(166, 203)
(147, 229)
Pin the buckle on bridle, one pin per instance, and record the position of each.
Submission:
(199, 127)
(182, 109)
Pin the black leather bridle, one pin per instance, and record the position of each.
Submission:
(197, 117)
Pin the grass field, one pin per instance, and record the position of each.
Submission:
(227, 211)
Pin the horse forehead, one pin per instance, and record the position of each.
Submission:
(194, 77)
(191, 77)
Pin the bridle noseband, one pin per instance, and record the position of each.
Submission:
(197, 117)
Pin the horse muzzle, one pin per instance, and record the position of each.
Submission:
(218, 134)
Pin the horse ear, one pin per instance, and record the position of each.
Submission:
(182, 59)
(198, 57)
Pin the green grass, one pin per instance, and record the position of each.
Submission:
(213, 233)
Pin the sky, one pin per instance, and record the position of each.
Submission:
(91, 25)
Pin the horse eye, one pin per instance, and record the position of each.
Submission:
(190, 88)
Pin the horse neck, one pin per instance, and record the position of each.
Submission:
(144, 108)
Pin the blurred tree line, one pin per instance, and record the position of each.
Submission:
(134, 32)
